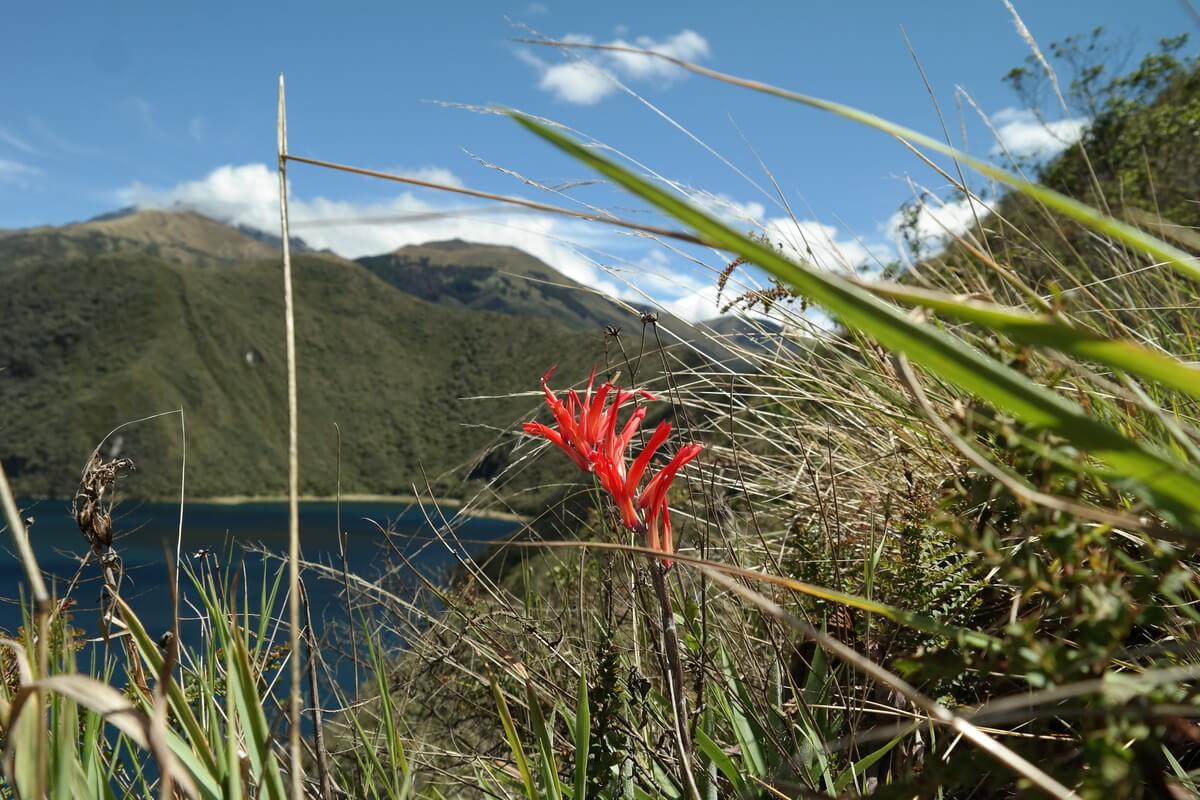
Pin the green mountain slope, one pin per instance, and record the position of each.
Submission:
(460, 274)
(92, 342)
(482, 277)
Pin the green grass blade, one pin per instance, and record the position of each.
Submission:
(864, 763)
(180, 705)
(233, 769)
(545, 740)
(204, 780)
(713, 752)
(745, 730)
(1040, 330)
(395, 746)
(250, 708)
(583, 736)
(514, 741)
(1184, 778)
(1170, 486)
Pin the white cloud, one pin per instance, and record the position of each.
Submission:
(1025, 136)
(695, 307)
(579, 82)
(822, 245)
(14, 173)
(586, 81)
(693, 295)
(687, 45)
(429, 173)
(12, 140)
(806, 239)
(248, 194)
(689, 295)
(936, 222)
(729, 209)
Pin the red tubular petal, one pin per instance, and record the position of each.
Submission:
(612, 481)
(608, 423)
(538, 429)
(594, 412)
(591, 380)
(620, 444)
(667, 544)
(555, 438)
(653, 542)
(656, 490)
(643, 460)
(568, 434)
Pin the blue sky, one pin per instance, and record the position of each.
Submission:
(167, 104)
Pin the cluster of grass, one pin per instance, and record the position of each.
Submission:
(941, 551)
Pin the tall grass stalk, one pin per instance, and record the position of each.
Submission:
(296, 769)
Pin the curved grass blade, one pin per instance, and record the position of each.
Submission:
(180, 706)
(1170, 486)
(552, 788)
(514, 741)
(243, 684)
(862, 765)
(713, 752)
(1039, 330)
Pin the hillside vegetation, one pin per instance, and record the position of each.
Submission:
(180, 237)
(488, 278)
(131, 321)
(944, 550)
(951, 592)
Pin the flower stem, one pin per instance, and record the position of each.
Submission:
(674, 677)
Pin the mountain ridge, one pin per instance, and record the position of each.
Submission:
(108, 323)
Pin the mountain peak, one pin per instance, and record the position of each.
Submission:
(110, 215)
(176, 235)
(444, 244)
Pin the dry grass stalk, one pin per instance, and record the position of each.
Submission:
(295, 769)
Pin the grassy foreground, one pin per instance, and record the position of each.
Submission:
(943, 551)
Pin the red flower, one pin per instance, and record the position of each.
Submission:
(583, 422)
(587, 433)
(654, 500)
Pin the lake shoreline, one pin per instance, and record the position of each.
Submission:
(398, 499)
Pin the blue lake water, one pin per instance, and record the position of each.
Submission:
(142, 529)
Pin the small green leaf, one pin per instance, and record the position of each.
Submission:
(864, 763)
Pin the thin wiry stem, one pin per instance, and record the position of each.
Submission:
(179, 535)
(674, 677)
(322, 752)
